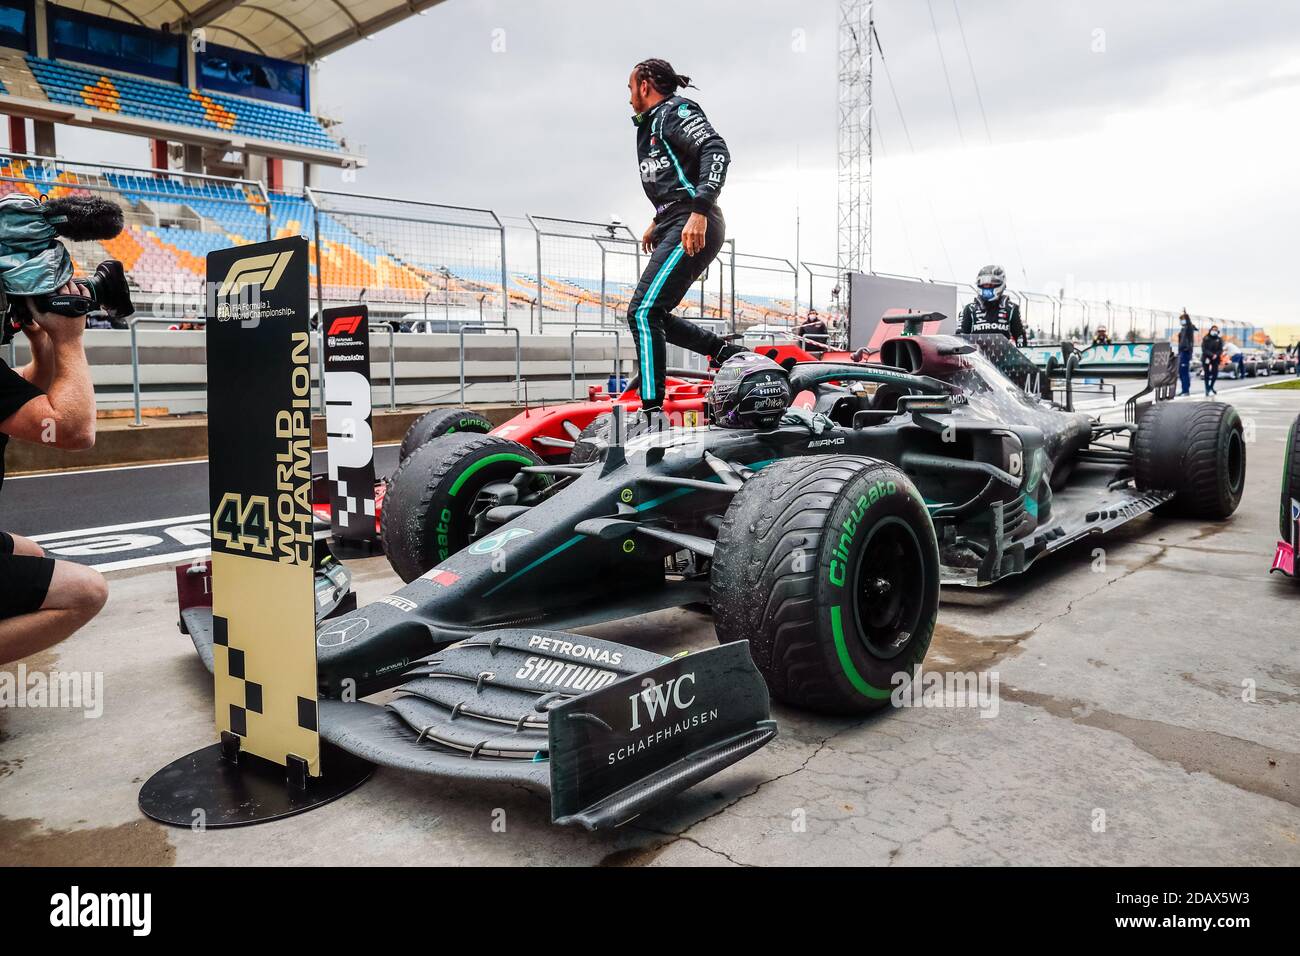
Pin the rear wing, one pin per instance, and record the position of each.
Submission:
(1064, 367)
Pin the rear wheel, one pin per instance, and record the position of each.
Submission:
(828, 565)
(1196, 450)
(437, 495)
(442, 421)
(1290, 479)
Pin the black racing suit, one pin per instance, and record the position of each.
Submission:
(1211, 357)
(999, 315)
(683, 166)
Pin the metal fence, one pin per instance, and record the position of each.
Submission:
(826, 290)
(764, 290)
(586, 272)
(409, 260)
(173, 220)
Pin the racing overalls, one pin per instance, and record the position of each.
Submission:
(1000, 316)
(683, 164)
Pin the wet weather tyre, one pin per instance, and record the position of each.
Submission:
(1196, 450)
(1290, 480)
(828, 565)
(596, 435)
(428, 510)
(441, 421)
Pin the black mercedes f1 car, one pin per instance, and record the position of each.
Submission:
(823, 542)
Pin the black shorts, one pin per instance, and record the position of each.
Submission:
(24, 580)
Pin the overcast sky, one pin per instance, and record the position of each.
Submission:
(1144, 152)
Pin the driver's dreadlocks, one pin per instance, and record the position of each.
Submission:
(661, 75)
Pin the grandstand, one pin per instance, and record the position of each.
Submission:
(219, 87)
(175, 219)
(222, 92)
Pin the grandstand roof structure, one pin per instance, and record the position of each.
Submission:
(301, 30)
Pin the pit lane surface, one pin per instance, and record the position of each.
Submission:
(1147, 711)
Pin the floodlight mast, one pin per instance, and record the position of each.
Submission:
(853, 241)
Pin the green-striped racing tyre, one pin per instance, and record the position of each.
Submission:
(829, 566)
(438, 422)
(432, 500)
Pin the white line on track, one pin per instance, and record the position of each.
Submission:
(158, 464)
(107, 529)
(172, 557)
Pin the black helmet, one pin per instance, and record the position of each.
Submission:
(750, 391)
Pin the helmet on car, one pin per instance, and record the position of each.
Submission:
(992, 280)
(749, 391)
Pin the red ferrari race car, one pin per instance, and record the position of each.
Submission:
(1289, 506)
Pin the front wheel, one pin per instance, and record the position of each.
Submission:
(437, 495)
(830, 567)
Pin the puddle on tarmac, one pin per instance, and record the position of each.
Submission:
(142, 843)
(961, 650)
(1241, 763)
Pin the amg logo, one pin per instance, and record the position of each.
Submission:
(821, 442)
(659, 699)
(74, 909)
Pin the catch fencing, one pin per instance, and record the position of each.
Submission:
(586, 273)
(173, 219)
(437, 265)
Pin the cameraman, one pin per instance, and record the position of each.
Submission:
(48, 401)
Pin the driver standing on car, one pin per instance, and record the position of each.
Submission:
(51, 401)
(992, 311)
(683, 166)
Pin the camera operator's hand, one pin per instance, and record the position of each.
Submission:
(60, 328)
(64, 415)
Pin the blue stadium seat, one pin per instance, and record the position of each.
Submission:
(150, 99)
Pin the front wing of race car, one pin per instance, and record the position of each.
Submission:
(607, 729)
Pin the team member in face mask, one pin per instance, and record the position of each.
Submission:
(1186, 343)
(993, 311)
(1211, 356)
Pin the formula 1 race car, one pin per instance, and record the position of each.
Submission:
(844, 527)
(1288, 517)
(822, 541)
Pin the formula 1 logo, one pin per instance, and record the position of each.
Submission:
(262, 272)
(494, 543)
(344, 324)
